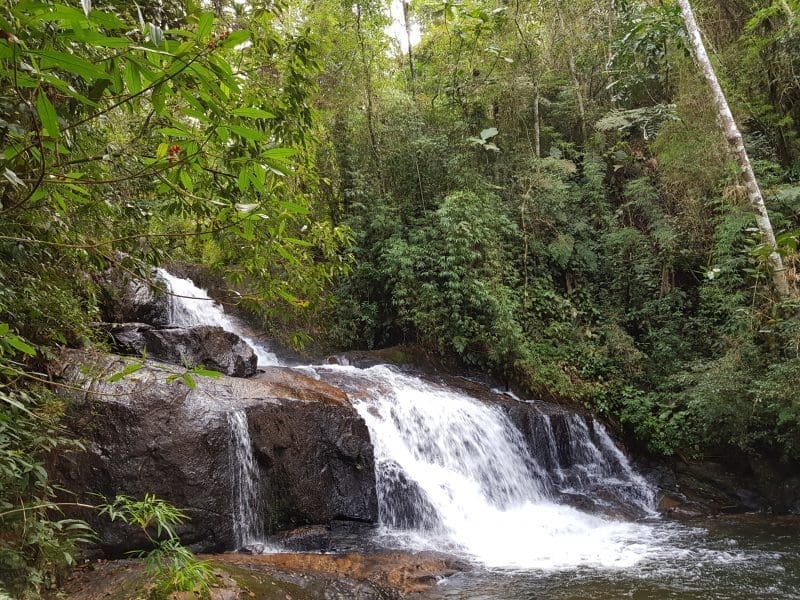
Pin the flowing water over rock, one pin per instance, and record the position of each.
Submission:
(247, 526)
(190, 305)
(544, 504)
(455, 474)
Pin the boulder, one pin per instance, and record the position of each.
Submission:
(126, 298)
(206, 345)
(143, 435)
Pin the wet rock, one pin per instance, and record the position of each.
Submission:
(143, 435)
(306, 447)
(338, 536)
(405, 505)
(128, 298)
(211, 347)
(397, 572)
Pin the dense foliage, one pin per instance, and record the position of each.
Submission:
(538, 190)
(547, 195)
(131, 135)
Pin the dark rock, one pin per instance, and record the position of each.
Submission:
(405, 505)
(143, 435)
(306, 447)
(126, 298)
(338, 536)
(212, 347)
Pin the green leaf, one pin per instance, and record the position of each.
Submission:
(244, 180)
(128, 370)
(248, 133)
(47, 115)
(489, 133)
(253, 113)
(102, 41)
(189, 381)
(205, 25)
(279, 153)
(18, 343)
(203, 372)
(69, 63)
(133, 77)
(186, 180)
(235, 38)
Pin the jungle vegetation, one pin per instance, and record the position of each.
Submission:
(541, 191)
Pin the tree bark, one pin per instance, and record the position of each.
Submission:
(367, 86)
(537, 131)
(573, 72)
(407, 24)
(736, 143)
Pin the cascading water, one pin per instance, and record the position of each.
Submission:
(455, 474)
(191, 306)
(246, 500)
(521, 495)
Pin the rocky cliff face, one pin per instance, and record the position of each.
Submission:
(144, 435)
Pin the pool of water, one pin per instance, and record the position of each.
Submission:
(730, 558)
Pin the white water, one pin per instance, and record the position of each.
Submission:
(455, 474)
(191, 306)
(247, 524)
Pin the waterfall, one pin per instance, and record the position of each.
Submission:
(191, 306)
(247, 526)
(456, 474)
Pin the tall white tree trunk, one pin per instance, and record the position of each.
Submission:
(734, 137)
(407, 24)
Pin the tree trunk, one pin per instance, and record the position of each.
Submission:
(573, 72)
(367, 87)
(407, 24)
(537, 131)
(736, 143)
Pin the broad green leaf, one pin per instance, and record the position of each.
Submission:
(203, 372)
(63, 86)
(186, 180)
(47, 115)
(244, 180)
(235, 38)
(279, 153)
(68, 63)
(248, 133)
(102, 41)
(253, 113)
(489, 133)
(18, 343)
(128, 370)
(205, 25)
(133, 77)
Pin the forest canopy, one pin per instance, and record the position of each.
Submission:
(540, 191)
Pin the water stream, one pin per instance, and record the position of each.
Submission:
(547, 507)
(247, 526)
